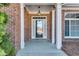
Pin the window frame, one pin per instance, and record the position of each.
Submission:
(69, 24)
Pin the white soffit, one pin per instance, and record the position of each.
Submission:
(40, 3)
(71, 6)
(33, 8)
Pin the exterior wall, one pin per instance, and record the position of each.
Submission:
(28, 25)
(63, 25)
(17, 26)
(50, 22)
(13, 26)
(63, 11)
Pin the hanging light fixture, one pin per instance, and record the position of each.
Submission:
(39, 10)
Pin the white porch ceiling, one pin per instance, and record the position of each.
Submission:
(40, 3)
(44, 8)
(71, 4)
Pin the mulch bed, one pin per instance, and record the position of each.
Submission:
(71, 47)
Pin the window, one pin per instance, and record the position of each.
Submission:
(66, 27)
(39, 17)
(72, 15)
(71, 24)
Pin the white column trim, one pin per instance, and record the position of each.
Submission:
(22, 25)
(58, 26)
(53, 26)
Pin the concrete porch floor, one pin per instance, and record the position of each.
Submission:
(40, 48)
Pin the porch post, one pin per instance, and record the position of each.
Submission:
(22, 25)
(58, 26)
(53, 26)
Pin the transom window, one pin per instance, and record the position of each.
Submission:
(39, 17)
(71, 25)
(72, 15)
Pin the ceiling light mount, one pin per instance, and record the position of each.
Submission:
(39, 10)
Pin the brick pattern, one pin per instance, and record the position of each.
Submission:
(28, 25)
(13, 26)
(63, 11)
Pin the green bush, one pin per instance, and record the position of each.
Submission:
(3, 18)
(4, 4)
(6, 47)
(2, 53)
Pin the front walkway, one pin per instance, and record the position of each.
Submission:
(40, 48)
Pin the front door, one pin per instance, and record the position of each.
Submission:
(39, 27)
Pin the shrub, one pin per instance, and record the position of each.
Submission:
(2, 53)
(6, 48)
(4, 4)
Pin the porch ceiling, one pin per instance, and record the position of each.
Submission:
(39, 3)
(45, 8)
(70, 4)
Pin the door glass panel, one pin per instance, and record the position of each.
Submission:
(39, 28)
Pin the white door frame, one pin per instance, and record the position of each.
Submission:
(33, 36)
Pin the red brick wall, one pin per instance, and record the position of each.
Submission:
(63, 11)
(50, 22)
(28, 25)
(13, 26)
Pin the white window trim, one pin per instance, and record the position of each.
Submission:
(43, 26)
(69, 25)
(71, 18)
(71, 37)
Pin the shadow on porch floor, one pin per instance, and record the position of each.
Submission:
(40, 48)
